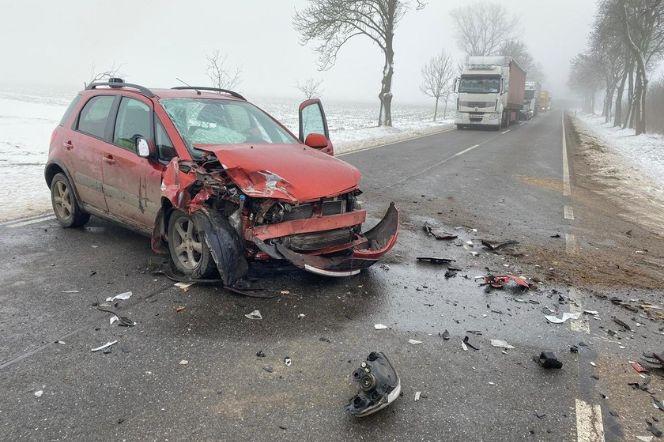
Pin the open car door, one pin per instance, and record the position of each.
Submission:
(313, 126)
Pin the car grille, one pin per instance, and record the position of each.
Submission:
(308, 242)
(477, 104)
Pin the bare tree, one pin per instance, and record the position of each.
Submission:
(220, 74)
(519, 52)
(585, 78)
(95, 75)
(332, 23)
(437, 76)
(483, 27)
(310, 88)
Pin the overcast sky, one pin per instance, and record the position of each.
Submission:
(57, 42)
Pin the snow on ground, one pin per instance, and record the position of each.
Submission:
(28, 118)
(645, 152)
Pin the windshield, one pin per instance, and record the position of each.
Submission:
(211, 121)
(479, 85)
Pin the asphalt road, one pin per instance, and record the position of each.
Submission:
(506, 185)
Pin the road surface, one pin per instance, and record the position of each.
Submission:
(522, 184)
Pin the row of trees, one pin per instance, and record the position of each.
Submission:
(626, 43)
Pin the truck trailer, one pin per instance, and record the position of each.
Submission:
(544, 101)
(531, 99)
(490, 92)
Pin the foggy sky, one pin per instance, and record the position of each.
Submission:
(56, 43)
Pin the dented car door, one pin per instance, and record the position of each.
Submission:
(131, 183)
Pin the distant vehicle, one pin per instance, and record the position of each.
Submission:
(531, 100)
(213, 179)
(544, 101)
(490, 92)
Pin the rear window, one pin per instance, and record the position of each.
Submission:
(70, 109)
(94, 115)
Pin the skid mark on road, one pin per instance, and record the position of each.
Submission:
(589, 427)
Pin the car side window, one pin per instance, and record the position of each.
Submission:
(94, 115)
(133, 120)
(312, 120)
(165, 147)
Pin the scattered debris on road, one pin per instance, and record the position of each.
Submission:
(446, 335)
(500, 281)
(435, 260)
(466, 341)
(254, 315)
(105, 346)
(501, 344)
(638, 367)
(654, 360)
(380, 326)
(437, 233)
(621, 323)
(418, 394)
(496, 246)
(378, 385)
(184, 286)
(414, 341)
(288, 361)
(184, 362)
(39, 393)
(548, 360)
(566, 315)
(120, 297)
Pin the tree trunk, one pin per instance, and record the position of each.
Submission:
(641, 124)
(630, 98)
(617, 120)
(435, 110)
(447, 98)
(385, 95)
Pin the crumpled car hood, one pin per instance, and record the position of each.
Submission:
(290, 172)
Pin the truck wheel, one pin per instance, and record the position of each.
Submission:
(66, 208)
(188, 249)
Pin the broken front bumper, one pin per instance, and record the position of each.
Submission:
(349, 260)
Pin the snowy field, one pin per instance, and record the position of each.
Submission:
(645, 152)
(27, 119)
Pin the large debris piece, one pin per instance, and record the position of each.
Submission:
(437, 233)
(500, 281)
(378, 384)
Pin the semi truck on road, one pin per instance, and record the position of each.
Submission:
(530, 101)
(490, 92)
(544, 101)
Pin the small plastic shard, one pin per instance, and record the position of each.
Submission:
(494, 246)
(548, 360)
(288, 361)
(567, 315)
(254, 315)
(417, 395)
(378, 385)
(184, 286)
(120, 297)
(435, 260)
(439, 234)
(446, 335)
(105, 346)
(301, 315)
(591, 312)
(500, 281)
(284, 292)
(113, 319)
(466, 341)
(39, 393)
(464, 346)
(183, 362)
(622, 323)
(414, 341)
(380, 326)
(501, 344)
(639, 368)
(70, 291)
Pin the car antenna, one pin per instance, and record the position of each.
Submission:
(188, 85)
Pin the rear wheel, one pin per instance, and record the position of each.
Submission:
(65, 206)
(188, 249)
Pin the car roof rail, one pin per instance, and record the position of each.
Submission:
(212, 89)
(116, 83)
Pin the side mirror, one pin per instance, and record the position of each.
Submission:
(143, 148)
(316, 141)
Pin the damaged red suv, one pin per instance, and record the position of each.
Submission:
(213, 179)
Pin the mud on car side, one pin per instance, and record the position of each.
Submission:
(214, 180)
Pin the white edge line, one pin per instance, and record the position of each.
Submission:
(589, 426)
(568, 212)
(417, 137)
(567, 189)
(32, 221)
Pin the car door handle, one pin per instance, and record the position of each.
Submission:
(68, 145)
(109, 158)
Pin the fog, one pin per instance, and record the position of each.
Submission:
(57, 44)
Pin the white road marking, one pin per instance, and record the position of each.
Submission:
(575, 306)
(505, 131)
(417, 137)
(589, 426)
(568, 212)
(570, 244)
(567, 189)
(31, 221)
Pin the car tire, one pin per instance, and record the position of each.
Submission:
(67, 210)
(187, 247)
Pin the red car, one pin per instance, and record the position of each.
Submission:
(213, 179)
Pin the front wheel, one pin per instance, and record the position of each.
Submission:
(188, 249)
(65, 206)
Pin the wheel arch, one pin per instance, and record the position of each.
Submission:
(52, 169)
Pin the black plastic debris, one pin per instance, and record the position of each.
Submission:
(495, 246)
(439, 234)
(260, 354)
(446, 335)
(378, 384)
(622, 323)
(574, 349)
(434, 260)
(654, 430)
(467, 342)
(548, 360)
